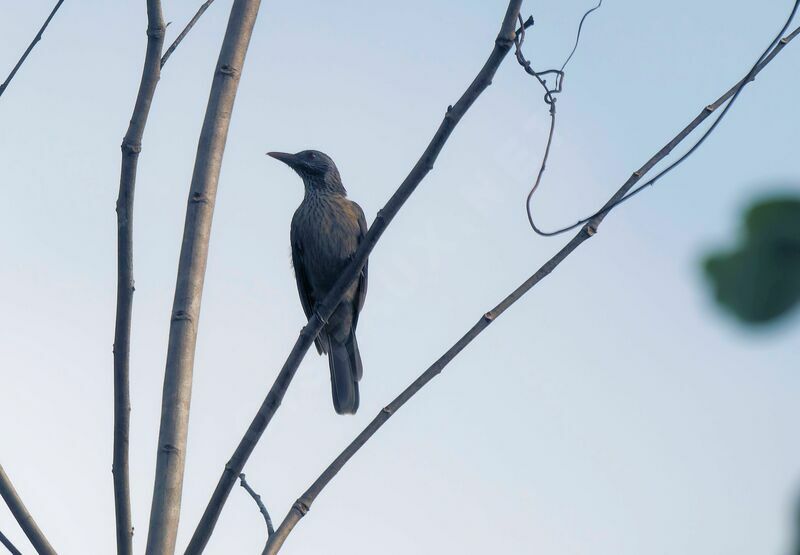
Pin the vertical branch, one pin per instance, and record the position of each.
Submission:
(170, 461)
(131, 147)
(424, 165)
(23, 517)
(36, 39)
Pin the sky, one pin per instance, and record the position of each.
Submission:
(614, 410)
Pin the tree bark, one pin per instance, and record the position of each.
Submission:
(165, 510)
(131, 147)
(23, 517)
(323, 311)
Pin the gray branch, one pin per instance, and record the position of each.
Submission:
(23, 517)
(131, 147)
(8, 545)
(261, 507)
(170, 461)
(324, 309)
(185, 31)
(303, 504)
(36, 39)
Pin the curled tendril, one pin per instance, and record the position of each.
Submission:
(550, 100)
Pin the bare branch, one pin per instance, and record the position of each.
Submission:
(185, 31)
(36, 39)
(23, 517)
(8, 545)
(261, 507)
(131, 147)
(170, 461)
(324, 309)
(303, 504)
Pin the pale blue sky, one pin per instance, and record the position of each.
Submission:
(613, 411)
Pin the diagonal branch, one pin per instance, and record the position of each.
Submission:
(23, 517)
(36, 39)
(303, 504)
(261, 507)
(200, 11)
(425, 164)
(171, 455)
(8, 545)
(131, 147)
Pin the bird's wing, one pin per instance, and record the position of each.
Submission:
(361, 293)
(304, 289)
(303, 286)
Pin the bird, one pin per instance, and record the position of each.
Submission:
(326, 230)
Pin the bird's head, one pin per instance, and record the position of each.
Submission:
(317, 169)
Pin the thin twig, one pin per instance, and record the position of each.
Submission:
(8, 545)
(23, 516)
(261, 507)
(131, 147)
(303, 504)
(550, 100)
(578, 35)
(549, 92)
(36, 39)
(324, 309)
(730, 97)
(176, 398)
(185, 31)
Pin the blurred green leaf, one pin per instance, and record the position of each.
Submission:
(796, 548)
(759, 280)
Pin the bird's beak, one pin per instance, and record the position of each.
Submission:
(288, 159)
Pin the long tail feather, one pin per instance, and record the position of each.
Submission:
(345, 364)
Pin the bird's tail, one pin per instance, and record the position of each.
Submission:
(345, 363)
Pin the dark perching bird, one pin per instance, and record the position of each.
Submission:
(327, 228)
